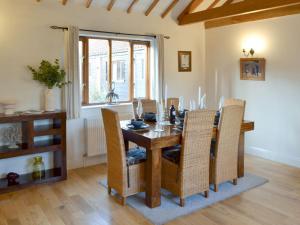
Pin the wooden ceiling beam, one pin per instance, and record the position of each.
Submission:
(88, 3)
(131, 5)
(151, 7)
(64, 2)
(190, 8)
(246, 6)
(271, 13)
(170, 7)
(212, 5)
(111, 4)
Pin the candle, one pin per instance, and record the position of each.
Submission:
(166, 96)
(199, 96)
(216, 85)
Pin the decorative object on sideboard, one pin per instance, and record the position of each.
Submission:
(8, 107)
(184, 61)
(252, 69)
(38, 168)
(12, 179)
(11, 136)
(112, 97)
(50, 75)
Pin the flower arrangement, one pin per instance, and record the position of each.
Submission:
(51, 75)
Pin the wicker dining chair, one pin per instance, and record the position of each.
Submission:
(233, 101)
(125, 169)
(173, 101)
(148, 106)
(224, 158)
(185, 172)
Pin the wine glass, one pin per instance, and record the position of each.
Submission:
(139, 109)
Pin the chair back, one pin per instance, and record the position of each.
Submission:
(116, 159)
(173, 101)
(226, 152)
(195, 154)
(148, 106)
(233, 101)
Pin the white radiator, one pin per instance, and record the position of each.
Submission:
(94, 136)
(94, 130)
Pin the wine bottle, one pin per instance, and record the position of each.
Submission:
(172, 115)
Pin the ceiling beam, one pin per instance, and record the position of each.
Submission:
(151, 7)
(212, 5)
(170, 7)
(131, 5)
(64, 2)
(228, 2)
(271, 13)
(190, 8)
(246, 6)
(88, 3)
(111, 4)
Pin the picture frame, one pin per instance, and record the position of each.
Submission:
(184, 61)
(253, 69)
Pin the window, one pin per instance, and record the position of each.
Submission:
(109, 63)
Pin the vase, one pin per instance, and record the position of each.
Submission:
(38, 168)
(49, 100)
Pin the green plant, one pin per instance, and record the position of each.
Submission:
(49, 74)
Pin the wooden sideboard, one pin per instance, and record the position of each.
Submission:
(54, 130)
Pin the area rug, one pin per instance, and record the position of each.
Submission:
(170, 210)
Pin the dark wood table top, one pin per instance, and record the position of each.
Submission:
(150, 138)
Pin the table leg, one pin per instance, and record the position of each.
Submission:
(241, 155)
(153, 177)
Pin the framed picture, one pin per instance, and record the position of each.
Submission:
(253, 69)
(184, 61)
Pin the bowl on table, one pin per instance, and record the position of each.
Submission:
(137, 123)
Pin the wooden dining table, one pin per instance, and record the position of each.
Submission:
(154, 141)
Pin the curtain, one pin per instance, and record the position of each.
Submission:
(159, 65)
(71, 92)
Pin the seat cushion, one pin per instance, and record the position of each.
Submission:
(172, 155)
(213, 147)
(135, 156)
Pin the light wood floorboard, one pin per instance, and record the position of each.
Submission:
(82, 201)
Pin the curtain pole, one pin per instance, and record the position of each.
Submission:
(107, 32)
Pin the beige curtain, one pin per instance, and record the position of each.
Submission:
(71, 92)
(159, 65)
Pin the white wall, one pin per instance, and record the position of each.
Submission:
(273, 104)
(25, 39)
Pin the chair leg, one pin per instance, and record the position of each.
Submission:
(123, 201)
(182, 202)
(206, 194)
(234, 181)
(109, 190)
(216, 187)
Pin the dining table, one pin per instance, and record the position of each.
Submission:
(159, 136)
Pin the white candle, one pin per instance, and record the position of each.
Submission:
(216, 85)
(199, 96)
(166, 96)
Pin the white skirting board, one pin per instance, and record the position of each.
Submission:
(270, 155)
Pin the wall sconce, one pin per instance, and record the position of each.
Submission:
(250, 52)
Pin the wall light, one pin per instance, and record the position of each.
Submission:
(252, 44)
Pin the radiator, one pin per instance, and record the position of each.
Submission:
(95, 141)
(94, 136)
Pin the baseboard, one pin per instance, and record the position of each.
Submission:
(268, 154)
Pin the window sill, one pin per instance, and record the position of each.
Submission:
(105, 105)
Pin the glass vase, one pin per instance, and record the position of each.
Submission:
(38, 168)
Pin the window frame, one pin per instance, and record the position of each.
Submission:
(85, 68)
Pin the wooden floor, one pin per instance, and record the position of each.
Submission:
(82, 201)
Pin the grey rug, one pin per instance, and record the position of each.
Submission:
(170, 210)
